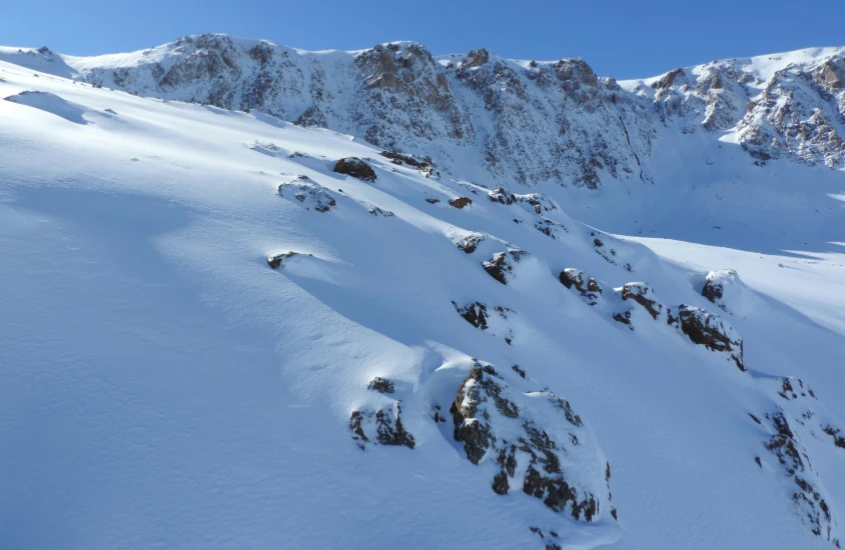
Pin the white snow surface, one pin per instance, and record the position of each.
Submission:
(163, 387)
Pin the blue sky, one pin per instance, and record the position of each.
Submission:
(623, 39)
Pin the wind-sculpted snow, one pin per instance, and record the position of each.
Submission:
(223, 329)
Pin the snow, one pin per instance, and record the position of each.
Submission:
(164, 387)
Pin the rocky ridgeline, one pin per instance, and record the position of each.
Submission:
(523, 122)
(526, 122)
(797, 112)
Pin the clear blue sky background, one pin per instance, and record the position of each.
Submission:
(624, 39)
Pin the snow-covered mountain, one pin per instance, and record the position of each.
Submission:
(259, 297)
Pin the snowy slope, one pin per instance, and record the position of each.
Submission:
(424, 371)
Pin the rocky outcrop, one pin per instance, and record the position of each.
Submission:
(794, 419)
(709, 330)
(381, 426)
(276, 261)
(725, 289)
(501, 265)
(515, 430)
(491, 319)
(381, 385)
(642, 294)
(426, 165)
(356, 168)
(469, 243)
(460, 202)
(531, 202)
(589, 290)
(310, 195)
(698, 325)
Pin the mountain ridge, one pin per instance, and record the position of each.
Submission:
(512, 116)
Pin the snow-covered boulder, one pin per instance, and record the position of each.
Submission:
(725, 289)
(501, 265)
(310, 195)
(573, 278)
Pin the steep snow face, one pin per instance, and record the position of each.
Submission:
(223, 329)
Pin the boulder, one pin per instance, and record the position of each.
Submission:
(355, 167)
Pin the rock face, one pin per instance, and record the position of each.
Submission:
(500, 424)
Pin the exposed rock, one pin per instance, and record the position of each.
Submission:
(382, 426)
(532, 202)
(312, 116)
(381, 385)
(470, 242)
(460, 202)
(426, 166)
(807, 496)
(376, 211)
(574, 278)
(277, 260)
(668, 79)
(643, 295)
(555, 122)
(356, 168)
(725, 289)
(475, 58)
(474, 314)
(494, 421)
(500, 267)
(699, 325)
(710, 331)
(550, 228)
(484, 318)
(310, 195)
